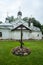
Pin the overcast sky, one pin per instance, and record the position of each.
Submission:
(28, 8)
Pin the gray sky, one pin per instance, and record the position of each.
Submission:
(28, 8)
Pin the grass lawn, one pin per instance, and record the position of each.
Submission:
(35, 58)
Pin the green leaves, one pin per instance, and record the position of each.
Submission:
(11, 19)
(33, 20)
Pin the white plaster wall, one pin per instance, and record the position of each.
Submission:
(34, 35)
(26, 34)
(9, 34)
(16, 35)
(5, 34)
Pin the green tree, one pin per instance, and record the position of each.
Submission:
(33, 20)
(0, 22)
(26, 19)
(36, 23)
(42, 28)
(11, 19)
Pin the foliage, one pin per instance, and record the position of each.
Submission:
(36, 23)
(33, 20)
(35, 58)
(25, 19)
(0, 22)
(42, 28)
(11, 19)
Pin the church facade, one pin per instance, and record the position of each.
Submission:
(13, 30)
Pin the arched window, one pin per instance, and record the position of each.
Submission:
(38, 35)
(0, 34)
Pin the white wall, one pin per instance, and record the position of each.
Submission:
(26, 34)
(36, 35)
(15, 35)
(5, 34)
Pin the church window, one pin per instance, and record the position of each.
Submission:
(0, 34)
(38, 35)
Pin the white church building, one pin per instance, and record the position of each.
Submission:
(12, 30)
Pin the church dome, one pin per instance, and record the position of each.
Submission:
(20, 13)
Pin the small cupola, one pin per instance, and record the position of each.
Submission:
(19, 14)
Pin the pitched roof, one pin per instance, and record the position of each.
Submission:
(22, 27)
